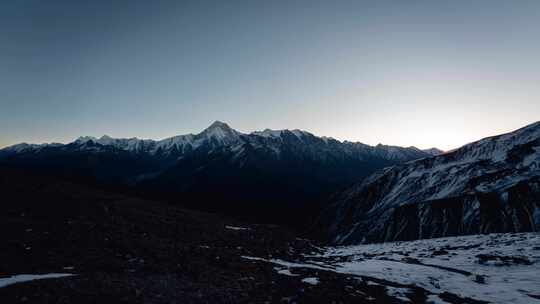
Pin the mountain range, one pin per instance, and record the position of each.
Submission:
(353, 192)
(272, 176)
(219, 134)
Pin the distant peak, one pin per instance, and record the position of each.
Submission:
(106, 140)
(278, 133)
(300, 133)
(219, 130)
(268, 133)
(85, 139)
(218, 125)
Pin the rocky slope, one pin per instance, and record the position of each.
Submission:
(493, 268)
(89, 245)
(492, 185)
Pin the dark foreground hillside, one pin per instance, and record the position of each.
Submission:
(128, 250)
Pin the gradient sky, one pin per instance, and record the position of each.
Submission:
(422, 73)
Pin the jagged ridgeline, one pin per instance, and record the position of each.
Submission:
(276, 176)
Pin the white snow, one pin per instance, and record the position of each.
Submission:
(503, 284)
(285, 271)
(24, 147)
(285, 263)
(311, 280)
(268, 133)
(20, 278)
(299, 133)
(434, 299)
(237, 228)
(399, 293)
(456, 267)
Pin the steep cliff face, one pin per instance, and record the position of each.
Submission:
(492, 185)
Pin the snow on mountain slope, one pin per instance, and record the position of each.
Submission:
(24, 147)
(268, 133)
(219, 134)
(490, 175)
(495, 268)
(498, 268)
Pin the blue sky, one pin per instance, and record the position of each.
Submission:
(423, 73)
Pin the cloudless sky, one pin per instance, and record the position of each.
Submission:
(422, 73)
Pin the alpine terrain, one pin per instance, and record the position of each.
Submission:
(105, 220)
(269, 176)
(492, 185)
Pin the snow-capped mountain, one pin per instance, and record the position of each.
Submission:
(220, 168)
(492, 185)
(25, 147)
(217, 134)
(220, 135)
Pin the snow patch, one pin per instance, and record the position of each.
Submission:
(311, 280)
(237, 228)
(20, 278)
(285, 271)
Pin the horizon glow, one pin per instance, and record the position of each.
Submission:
(422, 73)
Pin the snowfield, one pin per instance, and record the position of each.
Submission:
(236, 228)
(494, 268)
(498, 268)
(21, 278)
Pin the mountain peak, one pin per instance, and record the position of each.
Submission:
(219, 130)
(83, 139)
(219, 125)
(105, 140)
(268, 133)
